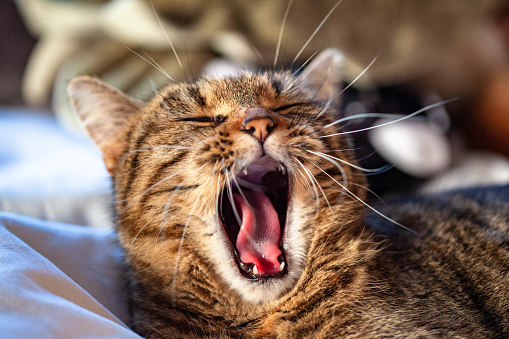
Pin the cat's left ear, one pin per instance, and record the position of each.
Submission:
(106, 113)
(323, 74)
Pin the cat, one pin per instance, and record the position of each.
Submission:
(241, 211)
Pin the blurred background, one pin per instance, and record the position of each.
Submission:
(417, 54)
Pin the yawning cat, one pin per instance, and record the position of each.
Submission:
(241, 209)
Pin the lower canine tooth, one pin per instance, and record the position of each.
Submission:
(255, 270)
(282, 266)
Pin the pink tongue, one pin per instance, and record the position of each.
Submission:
(260, 233)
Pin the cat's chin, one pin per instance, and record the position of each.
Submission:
(254, 212)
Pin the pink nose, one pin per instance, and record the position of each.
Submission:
(259, 123)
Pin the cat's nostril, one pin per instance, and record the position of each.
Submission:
(259, 123)
(260, 128)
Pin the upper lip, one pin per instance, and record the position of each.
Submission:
(263, 184)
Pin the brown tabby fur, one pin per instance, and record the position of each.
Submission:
(450, 279)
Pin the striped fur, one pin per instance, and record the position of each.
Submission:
(171, 157)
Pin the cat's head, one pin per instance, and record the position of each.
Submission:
(224, 186)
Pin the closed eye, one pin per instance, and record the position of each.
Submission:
(217, 119)
(286, 107)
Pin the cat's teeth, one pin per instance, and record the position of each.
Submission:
(244, 170)
(281, 168)
(282, 266)
(255, 270)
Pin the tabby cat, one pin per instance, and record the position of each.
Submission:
(241, 211)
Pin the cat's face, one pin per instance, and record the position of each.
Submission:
(219, 182)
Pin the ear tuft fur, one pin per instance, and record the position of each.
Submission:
(323, 74)
(105, 113)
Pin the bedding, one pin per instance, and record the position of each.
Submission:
(51, 173)
(60, 281)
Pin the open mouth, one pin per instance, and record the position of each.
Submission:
(253, 214)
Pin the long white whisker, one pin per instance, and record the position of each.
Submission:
(339, 167)
(253, 47)
(349, 85)
(304, 65)
(364, 116)
(320, 187)
(238, 186)
(230, 196)
(166, 35)
(369, 206)
(348, 163)
(281, 31)
(394, 121)
(316, 30)
(363, 71)
(370, 191)
(312, 179)
(155, 62)
(219, 196)
(304, 177)
(159, 69)
(345, 149)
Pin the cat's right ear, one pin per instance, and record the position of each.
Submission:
(323, 74)
(106, 114)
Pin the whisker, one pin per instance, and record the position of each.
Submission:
(155, 62)
(363, 71)
(316, 31)
(387, 168)
(303, 65)
(327, 105)
(366, 156)
(238, 186)
(167, 38)
(345, 149)
(311, 177)
(230, 196)
(304, 177)
(281, 32)
(253, 47)
(348, 163)
(320, 187)
(394, 121)
(369, 206)
(193, 76)
(364, 116)
(319, 113)
(159, 69)
(370, 191)
(219, 197)
(339, 167)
